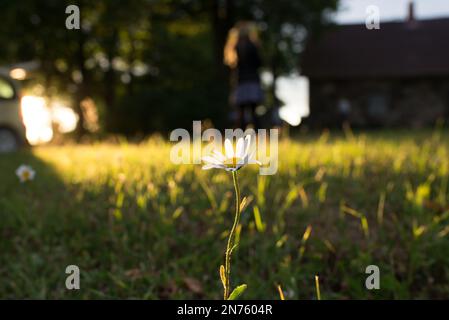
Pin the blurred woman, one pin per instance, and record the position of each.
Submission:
(241, 54)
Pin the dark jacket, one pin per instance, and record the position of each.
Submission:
(248, 61)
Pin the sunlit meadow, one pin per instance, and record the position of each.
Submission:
(141, 227)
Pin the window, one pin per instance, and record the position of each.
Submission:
(6, 90)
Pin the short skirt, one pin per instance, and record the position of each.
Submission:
(248, 92)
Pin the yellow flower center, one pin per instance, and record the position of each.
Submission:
(25, 175)
(232, 162)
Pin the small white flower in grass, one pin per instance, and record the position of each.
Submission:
(232, 160)
(25, 173)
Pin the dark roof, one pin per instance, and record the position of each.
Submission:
(398, 49)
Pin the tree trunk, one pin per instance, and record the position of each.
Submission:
(110, 82)
(274, 72)
(131, 58)
(222, 19)
(82, 87)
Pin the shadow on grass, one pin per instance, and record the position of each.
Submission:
(35, 230)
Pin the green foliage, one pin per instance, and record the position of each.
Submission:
(168, 232)
(237, 292)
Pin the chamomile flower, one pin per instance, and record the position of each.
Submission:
(232, 160)
(25, 173)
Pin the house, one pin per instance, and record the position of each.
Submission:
(397, 75)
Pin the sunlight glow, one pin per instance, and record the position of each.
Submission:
(18, 74)
(293, 90)
(64, 117)
(37, 120)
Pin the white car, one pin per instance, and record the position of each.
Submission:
(12, 129)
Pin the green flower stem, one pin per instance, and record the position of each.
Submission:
(231, 239)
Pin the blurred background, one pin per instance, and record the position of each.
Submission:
(137, 67)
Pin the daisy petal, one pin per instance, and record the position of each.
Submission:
(211, 166)
(219, 155)
(251, 159)
(249, 147)
(229, 149)
(211, 160)
(240, 148)
(247, 143)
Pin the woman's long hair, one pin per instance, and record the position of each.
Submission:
(240, 31)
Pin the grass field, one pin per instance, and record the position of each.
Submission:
(140, 227)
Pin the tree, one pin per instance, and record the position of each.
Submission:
(150, 64)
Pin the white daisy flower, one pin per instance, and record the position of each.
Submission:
(25, 173)
(232, 160)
